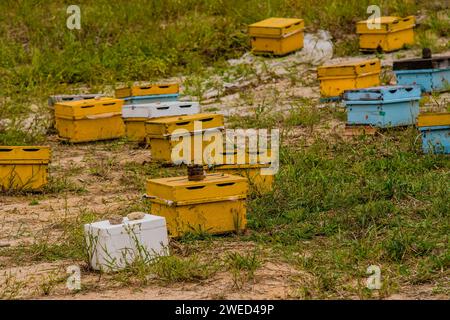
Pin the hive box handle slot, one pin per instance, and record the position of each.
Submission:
(408, 89)
(185, 106)
(5, 150)
(373, 63)
(145, 87)
(225, 184)
(109, 104)
(84, 107)
(162, 108)
(67, 98)
(195, 187)
(206, 120)
(182, 123)
(393, 90)
(163, 87)
(31, 149)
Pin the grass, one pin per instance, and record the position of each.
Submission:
(357, 204)
(337, 206)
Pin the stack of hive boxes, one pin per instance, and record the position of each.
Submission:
(276, 36)
(336, 78)
(431, 73)
(164, 135)
(23, 168)
(392, 33)
(383, 107)
(149, 102)
(435, 131)
(89, 120)
(212, 203)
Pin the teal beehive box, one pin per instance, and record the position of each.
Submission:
(432, 74)
(384, 106)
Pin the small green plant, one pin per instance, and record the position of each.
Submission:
(243, 266)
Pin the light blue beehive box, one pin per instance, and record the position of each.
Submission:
(151, 99)
(384, 106)
(429, 80)
(431, 73)
(435, 139)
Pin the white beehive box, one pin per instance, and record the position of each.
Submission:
(160, 109)
(113, 247)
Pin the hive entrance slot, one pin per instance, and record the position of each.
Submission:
(225, 184)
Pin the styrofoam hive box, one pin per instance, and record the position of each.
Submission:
(113, 247)
(162, 109)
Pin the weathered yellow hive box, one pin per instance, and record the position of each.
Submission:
(24, 167)
(159, 133)
(254, 163)
(214, 205)
(335, 79)
(252, 172)
(433, 119)
(394, 33)
(135, 129)
(147, 90)
(89, 120)
(277, 36)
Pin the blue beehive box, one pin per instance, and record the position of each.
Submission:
(384, 106)
(435, 131)
(431, 73)
(151, 99)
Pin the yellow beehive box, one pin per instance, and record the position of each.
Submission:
(394, 33)
(214, 205)
(24, 167)
(335, 79)
(277, 36)
(147, 90)
(252, 172)
(89, 120)
(433, 119)
(135, 129)
(160, 133)
(254, 162)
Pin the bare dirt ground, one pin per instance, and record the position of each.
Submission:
(108, 187)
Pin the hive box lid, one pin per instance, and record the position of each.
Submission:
(433, 119)
(383, 93)
(84, 108)
(439, 62)
(104, 228)
(387, 24)
(146, 90)
(163, 127)
(160, 109)
(11, 153)
(276, 27)
(152, 98)
(179, 190)
(71, 97)
(351, 68)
